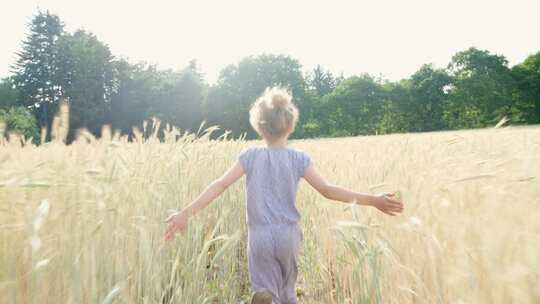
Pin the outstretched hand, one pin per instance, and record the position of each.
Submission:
(178, 222)
(388, 203)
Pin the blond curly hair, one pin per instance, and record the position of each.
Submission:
(273, 115)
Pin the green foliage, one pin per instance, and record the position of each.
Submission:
(476, 90)
(38, 74)
(8, 93)
(181, 102)
(136, 86)
(142, 91)
(318, 84)
(482, 87)
(21, 121)
(356, 106)
(429, 95)
(87, 66)
(321, 81)
(527, 93)
(398, 108)
(239, 85)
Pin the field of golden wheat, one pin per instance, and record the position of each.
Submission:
(83, 223)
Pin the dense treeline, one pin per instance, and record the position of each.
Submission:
(477, 89)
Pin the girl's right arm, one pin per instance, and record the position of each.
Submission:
(179, 220)
(386, 202)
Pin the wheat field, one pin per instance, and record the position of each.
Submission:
(83, 223)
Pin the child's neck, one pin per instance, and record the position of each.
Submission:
(277, 144)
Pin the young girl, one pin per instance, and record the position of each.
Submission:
(273, 172)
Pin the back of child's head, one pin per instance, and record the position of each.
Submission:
(273, 115)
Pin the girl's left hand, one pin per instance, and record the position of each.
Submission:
(177, 222)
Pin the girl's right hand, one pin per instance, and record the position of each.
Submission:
(177, 222)
(388, 203)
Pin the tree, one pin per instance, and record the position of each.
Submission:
(87, 64)
(321, 81)
(527, 96)
(136, 86)
(21, 121)
(16, 118)
(355, 107)
(239, 85)
(8, 93)
(477, 89)
(481, 92)
(37, 70)
(142, 91)
(181, 104)
(399, 109)
(428, 95)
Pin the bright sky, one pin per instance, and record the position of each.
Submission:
(382, 37)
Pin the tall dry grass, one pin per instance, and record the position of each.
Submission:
(83, 223)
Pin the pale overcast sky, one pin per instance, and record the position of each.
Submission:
(382, 37)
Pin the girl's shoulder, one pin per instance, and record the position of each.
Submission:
(247, 153)
(250, 150)
(296, 151)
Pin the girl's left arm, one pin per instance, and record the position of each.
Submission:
(179, 220)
